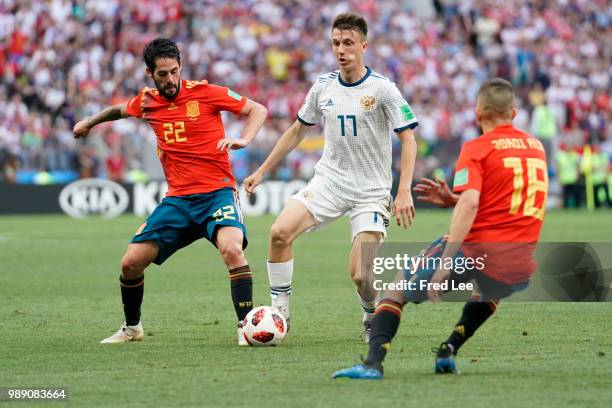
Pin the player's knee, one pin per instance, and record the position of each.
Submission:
(231, 252)
(131, 267)
(358, 280)
(280, 235)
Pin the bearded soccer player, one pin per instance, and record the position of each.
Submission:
(501, 185)
(201, 200)
(362, 110)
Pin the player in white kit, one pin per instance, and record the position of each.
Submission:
(361, 109)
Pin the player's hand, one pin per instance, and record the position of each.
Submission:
(81, 130)
(435, 192)
(252, 181)
(403, 208)
(441, 275)
(225, 145)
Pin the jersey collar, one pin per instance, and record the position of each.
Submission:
(367, 74)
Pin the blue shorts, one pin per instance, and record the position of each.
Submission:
(178, 221)
(488, 288)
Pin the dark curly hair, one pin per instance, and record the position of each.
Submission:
(160, 48)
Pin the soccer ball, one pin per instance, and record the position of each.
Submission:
(264, 326)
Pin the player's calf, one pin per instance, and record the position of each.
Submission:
(241, 282)
(473, 316)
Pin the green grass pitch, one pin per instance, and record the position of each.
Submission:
(59, 297)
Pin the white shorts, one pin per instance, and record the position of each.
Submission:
(326, 207)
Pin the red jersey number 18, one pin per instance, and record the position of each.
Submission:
(534, 185)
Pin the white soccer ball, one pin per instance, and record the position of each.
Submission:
(264, 326)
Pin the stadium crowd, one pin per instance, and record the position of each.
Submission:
(61, 60)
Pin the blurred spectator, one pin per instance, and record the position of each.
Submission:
(568, 164)
(115, 164)
(61, 60)
(599, 165)
(88, 162)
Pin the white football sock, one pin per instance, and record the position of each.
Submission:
(279, 275)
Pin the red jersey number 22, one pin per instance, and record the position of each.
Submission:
(173, 132)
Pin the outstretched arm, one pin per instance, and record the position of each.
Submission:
(461, 222)
(403, 206)
(287, 142)
(256, 115)
(115, 112)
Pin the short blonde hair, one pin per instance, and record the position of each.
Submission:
(496, 99)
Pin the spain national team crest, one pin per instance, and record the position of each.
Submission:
(367, 103)
(193, 109)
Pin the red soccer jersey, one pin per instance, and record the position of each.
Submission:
(188, 128)
(508, 167)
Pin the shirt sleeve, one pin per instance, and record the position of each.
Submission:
(309, 114)
(134, 106)
(224, 99)
(468, 170)
(398, 111)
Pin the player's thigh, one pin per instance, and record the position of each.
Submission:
(167, 229)
(369, 217)
(364, 250)
(322, 204)
(292, 221)
(417, 279)
(219, 216)
(229, 241)
(138, 256)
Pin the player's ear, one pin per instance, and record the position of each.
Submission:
(477, 113)
(513, 114)
(149, 73)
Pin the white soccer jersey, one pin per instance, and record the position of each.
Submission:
(359, 120)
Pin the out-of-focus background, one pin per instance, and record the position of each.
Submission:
(62, 60)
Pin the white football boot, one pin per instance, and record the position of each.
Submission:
(126, 333)
(241, 339)
(281, 303)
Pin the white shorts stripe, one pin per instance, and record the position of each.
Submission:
(238, 209)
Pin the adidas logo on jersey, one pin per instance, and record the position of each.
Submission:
(329, 103)
(172, 106)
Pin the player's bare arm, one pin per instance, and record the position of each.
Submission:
(403, 206)
(256, 115)
(436, 192)
(287, 142)
(461, 223)
(115, 112)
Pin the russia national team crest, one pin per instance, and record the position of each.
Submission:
(193, 109)
(367, 103)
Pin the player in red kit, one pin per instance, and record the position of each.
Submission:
(201, 200)
(500, 186)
